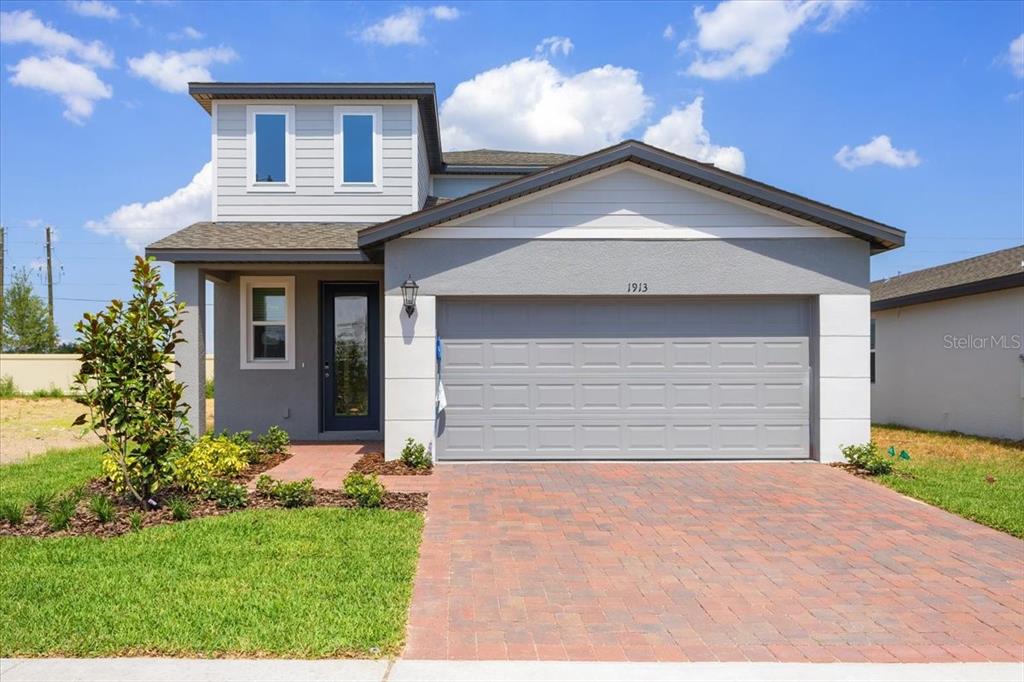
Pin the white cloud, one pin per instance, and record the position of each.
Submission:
(553, 45)
(1014, 56)
(878, 150)
(187, 33)
(406, 26)
(669, 33)
(682, 131)
(94, 8)
(172, 71)
(740, 38)
(23, 26)
(444, 13)
(531, 105)
(76, 84)
(139, 224)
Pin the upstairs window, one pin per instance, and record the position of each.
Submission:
(357, 149)
(270, 152)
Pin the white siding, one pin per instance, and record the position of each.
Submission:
(627, 202)
(314, 198)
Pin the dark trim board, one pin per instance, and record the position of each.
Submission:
(971, 288)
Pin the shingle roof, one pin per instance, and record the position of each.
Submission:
(252, 236)
(1002, 269)
(496, 157)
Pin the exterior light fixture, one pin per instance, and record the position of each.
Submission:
(409, 290)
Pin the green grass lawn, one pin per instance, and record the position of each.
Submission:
(301, 583)
(979, 478)
(52, 472)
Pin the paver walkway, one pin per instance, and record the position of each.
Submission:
(703, 562)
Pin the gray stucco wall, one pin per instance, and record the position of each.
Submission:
(257, 399)
(937, 365)
(451, 267)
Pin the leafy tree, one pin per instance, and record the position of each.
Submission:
(26, 321)
(134, 403)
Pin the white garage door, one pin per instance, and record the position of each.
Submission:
(580, 378)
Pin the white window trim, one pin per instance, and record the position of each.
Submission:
(250, 148)
(246, 285)
(378, 150)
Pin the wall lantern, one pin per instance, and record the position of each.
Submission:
(409, 289)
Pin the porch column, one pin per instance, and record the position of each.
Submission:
(190, 289)
(409, 373)
(844, 374)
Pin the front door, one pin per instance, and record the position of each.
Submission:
(350, 356)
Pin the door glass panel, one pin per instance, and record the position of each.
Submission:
(351, 367)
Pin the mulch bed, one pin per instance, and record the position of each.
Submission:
(85, 523)
(374, 463)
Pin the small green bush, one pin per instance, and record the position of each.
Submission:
(295, 493)
(135, 520)
(7, 387)
(181, 509)
(415, 455)
(274, 442)
(51, 392)
(228, 495)
(43, 502)
(866, 457)
(63, 510)
(12, 513)
(265, 485)
(209, 388)
(102, 508)
(367, 491)
(210, 459)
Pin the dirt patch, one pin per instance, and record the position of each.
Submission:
(85, 522)
(32, 426)
(374, 463)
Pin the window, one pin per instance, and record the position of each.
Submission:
(270, 149)
(872, 350)
(357, 149)
(268, 322)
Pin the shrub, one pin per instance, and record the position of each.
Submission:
(62, 511)
(181, 509)
(102, 508)
(135, 520)
(209, 388)
(415, 455)
(42, 503)
(211, 458)
(295, 493)
(228, 495)
(51, 392)
(367, 491)
(866, 457)
(134, 403)
(7, 387)
(274, 442)
(265, 485)
(12, 513)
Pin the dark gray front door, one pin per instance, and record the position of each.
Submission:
(625, 378)
(350, 356)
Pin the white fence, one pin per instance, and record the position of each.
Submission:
(44, 371)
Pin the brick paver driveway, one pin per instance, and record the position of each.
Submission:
(704, 561)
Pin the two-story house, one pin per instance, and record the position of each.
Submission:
(629, 303)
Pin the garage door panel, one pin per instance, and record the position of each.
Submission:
(583, 379)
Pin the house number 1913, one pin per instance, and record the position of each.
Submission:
(636, 287)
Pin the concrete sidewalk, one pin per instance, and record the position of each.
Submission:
(264, 670)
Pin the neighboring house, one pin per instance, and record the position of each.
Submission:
(947, 351)
(629, 303)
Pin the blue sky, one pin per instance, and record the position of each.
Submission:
(93, 118)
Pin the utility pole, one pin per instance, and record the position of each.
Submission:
(1, 275)
(49, 276)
